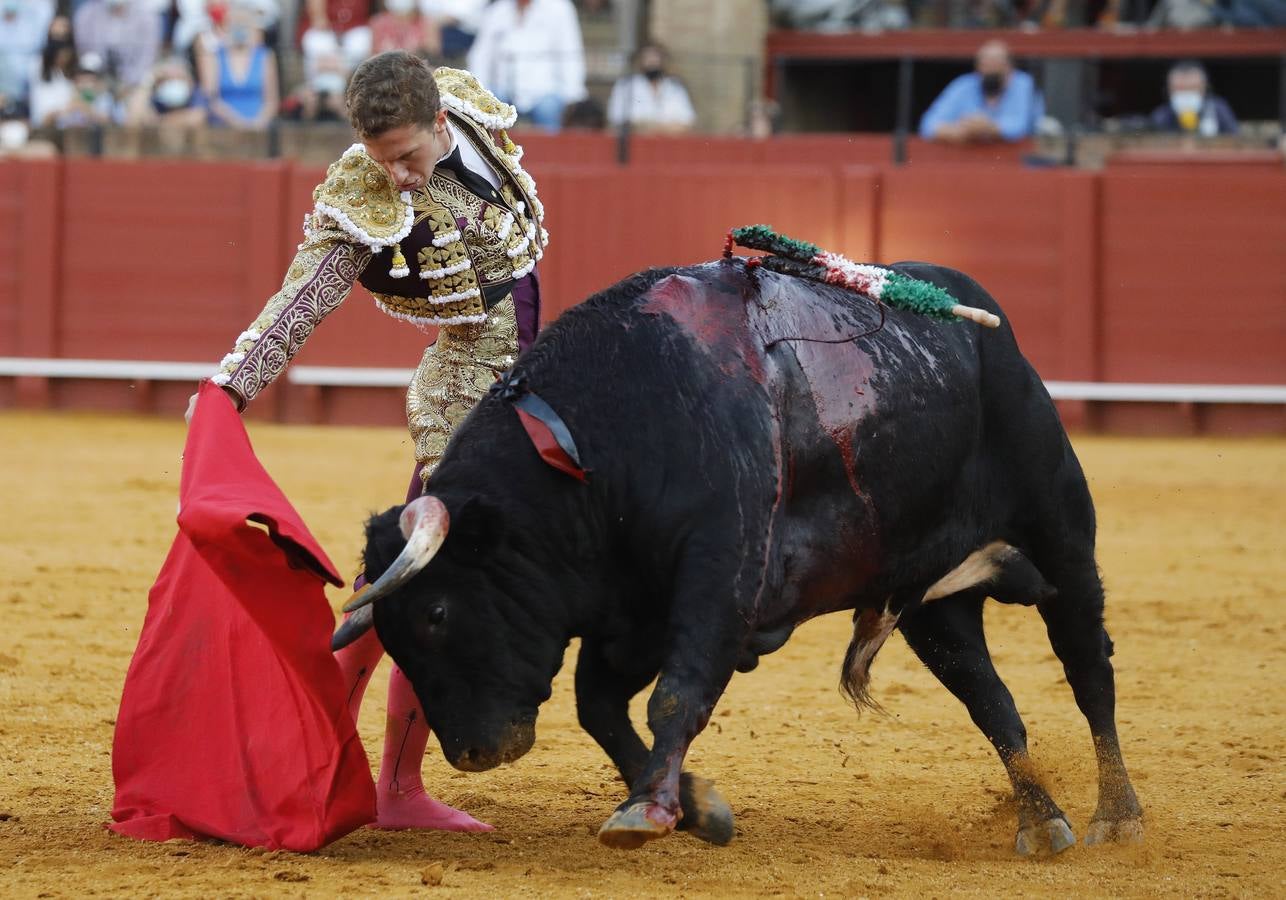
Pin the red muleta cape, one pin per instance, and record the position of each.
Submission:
(234, 721)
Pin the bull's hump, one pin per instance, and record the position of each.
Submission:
(709, 305)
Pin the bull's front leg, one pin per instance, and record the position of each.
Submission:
(603, 694)
(697, 668)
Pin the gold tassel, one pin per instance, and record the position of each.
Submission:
(399, 268)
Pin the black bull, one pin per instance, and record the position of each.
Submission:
(751, 468)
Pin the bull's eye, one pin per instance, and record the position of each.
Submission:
(437, 614)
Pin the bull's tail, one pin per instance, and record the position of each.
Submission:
(871, 628)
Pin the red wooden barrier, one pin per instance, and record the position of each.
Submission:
(1194, 277)
(1004, 227)
(1119, 276)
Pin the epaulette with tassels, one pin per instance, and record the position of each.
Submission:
(805, 260)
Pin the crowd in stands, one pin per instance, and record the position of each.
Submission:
(883, 15)
(229, 64)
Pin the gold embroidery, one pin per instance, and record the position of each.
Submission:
(318, 280)
(452, 377)
(466, 86)
(359, 189)
(452, 254)
(422, 308)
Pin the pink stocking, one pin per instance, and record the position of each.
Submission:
(400, 793)
(357, 664)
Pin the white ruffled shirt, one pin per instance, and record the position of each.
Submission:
(472, 159)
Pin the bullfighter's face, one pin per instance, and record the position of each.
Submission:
(408, 153)
(481, 659)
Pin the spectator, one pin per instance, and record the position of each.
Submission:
(126, 35)
(53, 87)
(1191, 107)
(92, 102)
(321, 97)
(841, 15)
(197, 19)
(457, 24)
(995, 102)
(239, 78)
(1183, 14)
(529, 53)
(343, 22)
(170, 98)
(651, 99)
(401, 27)
(23, 27)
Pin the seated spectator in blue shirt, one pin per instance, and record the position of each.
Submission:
(994, 102)
(1191, 107)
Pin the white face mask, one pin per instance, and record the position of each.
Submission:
(173, 92)
(328, 83)
(400, 7)
(1186, 101)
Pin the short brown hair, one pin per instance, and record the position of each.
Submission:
(392, 90)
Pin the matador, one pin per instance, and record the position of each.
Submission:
(434, 214)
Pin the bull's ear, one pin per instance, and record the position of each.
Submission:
(475, 525)
(384, 542)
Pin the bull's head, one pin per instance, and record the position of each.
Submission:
(450, 611)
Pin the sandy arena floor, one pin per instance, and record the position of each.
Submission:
(912, 803)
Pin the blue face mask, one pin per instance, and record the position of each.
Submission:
(239, 35)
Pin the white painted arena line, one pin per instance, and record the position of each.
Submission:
(348, 376)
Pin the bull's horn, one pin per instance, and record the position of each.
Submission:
(354, 627)
(424, 524)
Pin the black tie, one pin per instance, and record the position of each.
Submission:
(469, 179)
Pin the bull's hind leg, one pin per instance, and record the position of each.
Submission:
(947, 636)
(1074, 620)
(603, 693)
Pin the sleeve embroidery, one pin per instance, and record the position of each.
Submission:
(320, 277)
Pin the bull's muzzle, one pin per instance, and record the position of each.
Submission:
(517, 739)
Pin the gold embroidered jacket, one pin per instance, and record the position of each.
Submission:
(433, 256)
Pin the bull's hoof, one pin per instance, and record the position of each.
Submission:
(1048, 838)
(1125, 831)
(706, 815)
(630, 827)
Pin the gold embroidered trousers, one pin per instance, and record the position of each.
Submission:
(453, 375)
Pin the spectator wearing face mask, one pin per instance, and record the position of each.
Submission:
(239, 78)
(651, 99)
(995, 102)
(401, 27)
(92, 102)
(1191, 107)
(170, 98)
(126, 34)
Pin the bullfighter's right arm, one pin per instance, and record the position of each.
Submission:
(322, 273)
